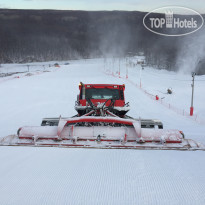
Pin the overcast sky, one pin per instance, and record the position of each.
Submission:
(131, 5)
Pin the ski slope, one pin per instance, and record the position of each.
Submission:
(92, 176)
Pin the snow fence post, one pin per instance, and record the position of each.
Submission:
(192, 96)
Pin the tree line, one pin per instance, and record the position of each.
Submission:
(45, 35)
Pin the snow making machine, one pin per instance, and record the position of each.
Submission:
(101, 122)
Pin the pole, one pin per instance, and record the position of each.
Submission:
(192, 97)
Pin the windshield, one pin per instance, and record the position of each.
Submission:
(102, 93)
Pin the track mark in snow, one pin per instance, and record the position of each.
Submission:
(94, 176)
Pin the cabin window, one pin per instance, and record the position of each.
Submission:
(102, 93)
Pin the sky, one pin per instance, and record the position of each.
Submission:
(129, 5)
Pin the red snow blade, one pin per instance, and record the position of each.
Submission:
(100, 132)
(111, 128)
(186, 144)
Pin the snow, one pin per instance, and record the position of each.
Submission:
(158, 81)
(92, 176)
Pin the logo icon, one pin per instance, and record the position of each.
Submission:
(173, 21)
(169, 18)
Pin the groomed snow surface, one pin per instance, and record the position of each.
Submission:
(31, 175)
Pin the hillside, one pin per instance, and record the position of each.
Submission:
(43, 35)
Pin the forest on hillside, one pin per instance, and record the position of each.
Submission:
(44, 35)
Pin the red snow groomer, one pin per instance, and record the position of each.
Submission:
(101, 122)
(96, 97)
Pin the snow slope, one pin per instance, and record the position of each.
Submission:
(92, 176)
(158, 81)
